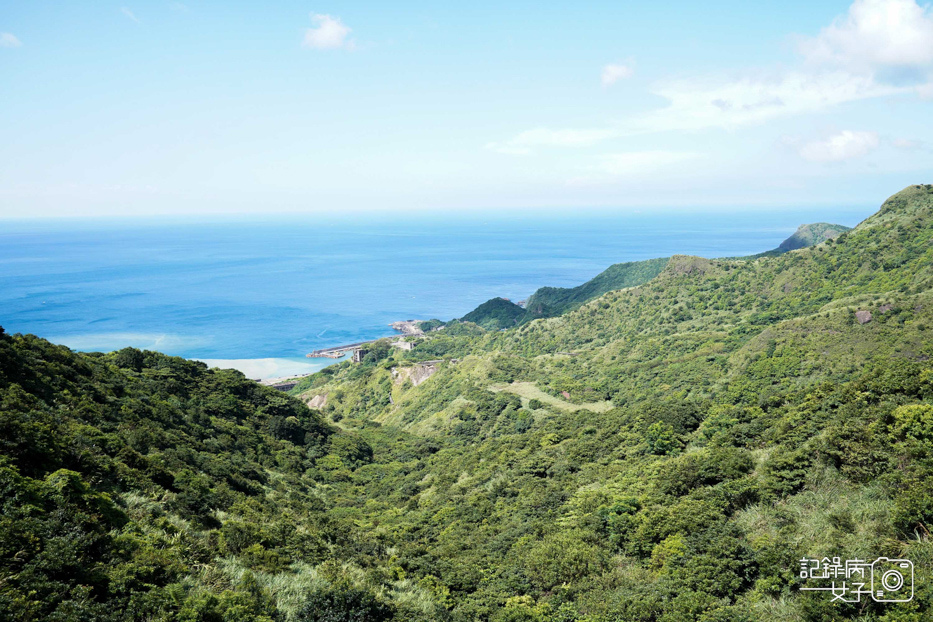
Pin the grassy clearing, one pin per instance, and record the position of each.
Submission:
(529, 391)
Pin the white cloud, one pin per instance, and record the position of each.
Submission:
(630, 166)
(875, 35)
(129, 14)
(613, 73)
(508, 149)
(906, 143)
(561, 138)
(845, 145)
(698, 105)
(880, 48)
(8, 40)
(328, 33)
(640, 162)
(524, 143)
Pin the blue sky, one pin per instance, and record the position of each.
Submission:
(144, 108)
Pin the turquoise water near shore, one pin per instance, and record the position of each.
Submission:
(275, 289)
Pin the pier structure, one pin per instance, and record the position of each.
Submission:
(337, 352)
(408, 328)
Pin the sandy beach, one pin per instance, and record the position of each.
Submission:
(268, 369)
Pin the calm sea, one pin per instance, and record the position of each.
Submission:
(258, 294)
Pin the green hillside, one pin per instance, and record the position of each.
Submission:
(498, 313)
(554, 301)
(495, 314)
(810, 235)
(551, 301)
(664, 452)
(138, 486)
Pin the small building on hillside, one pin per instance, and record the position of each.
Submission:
(359, 355)
(403, 345)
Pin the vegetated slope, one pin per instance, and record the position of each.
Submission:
(812, 234)
(885, 254)
(138, 486)
(758, 416)
(498, 313)
(551, 301)
(664, 452)
(495, 314)
(554, 301)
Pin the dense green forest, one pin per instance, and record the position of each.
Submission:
(495, 314)
(665, 452)
(551, 301)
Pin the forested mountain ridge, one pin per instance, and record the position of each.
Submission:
(554, 301)
(665, 452)
(495, 314)
(551, 301)
(808, 235)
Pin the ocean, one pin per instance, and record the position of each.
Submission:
(257, 294)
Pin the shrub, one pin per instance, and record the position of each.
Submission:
(343, 604)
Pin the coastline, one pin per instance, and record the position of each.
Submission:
(278, 370)
(272, 370)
